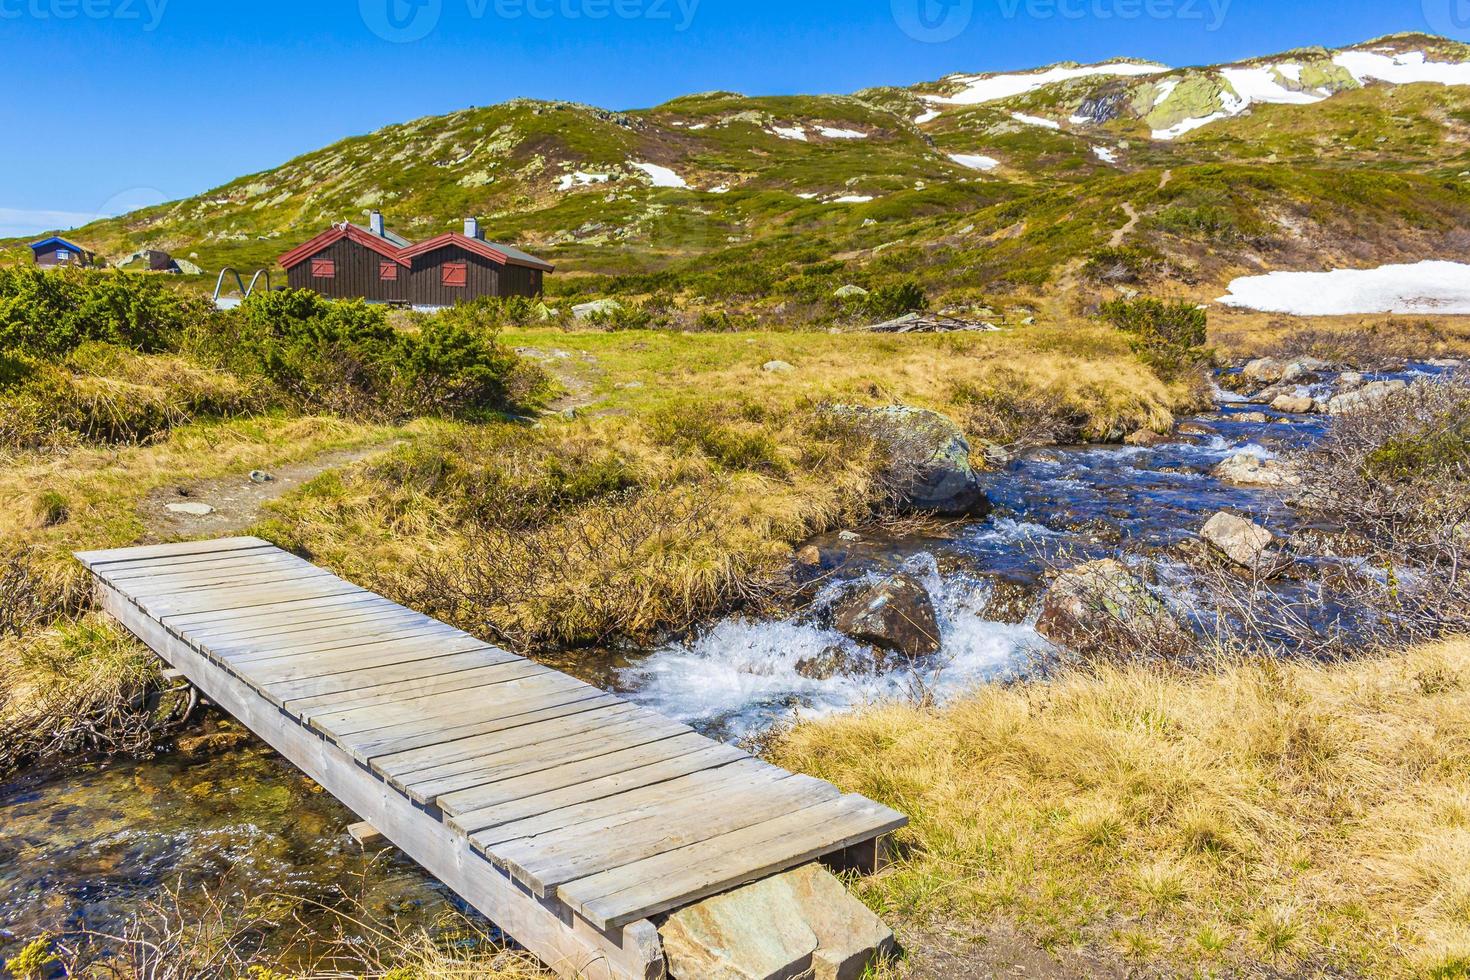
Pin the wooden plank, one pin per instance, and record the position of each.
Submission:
(626, 806)
(561, 940)
(528, 759)
(284, 692)
(119, 571)
(237, 600)
(250, 656)
(479, 697)
(373, 622)
(688, 874)
(465, 754)
(711, 756)
(285, 613)
(225, 583)
(466, 678)
(113, 556)
(555, 859)
(357, 658)
(525, 786)
(561, 703)
(128, 576)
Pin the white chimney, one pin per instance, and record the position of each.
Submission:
(377, 223)
(472, 227)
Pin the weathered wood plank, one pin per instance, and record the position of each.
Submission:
(284, 692)
(584, 811)
(344, 707)
(626, 838)
(527, 759)
(592, 788)
(358, 658)
(130, 576)
(292, 612)
(250, 656)
(518, 786)
(542, 706)
(479, 699)
(375, 621)
(112, 556)
(688, 874)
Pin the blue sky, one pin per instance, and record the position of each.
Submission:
(114, 104)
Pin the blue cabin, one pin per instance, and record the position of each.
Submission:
(56, 252)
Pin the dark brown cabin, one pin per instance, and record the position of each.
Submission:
(350, 262)
(57, 253)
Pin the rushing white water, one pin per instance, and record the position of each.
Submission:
(742, 676)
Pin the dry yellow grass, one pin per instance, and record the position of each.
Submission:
(1306, 816)
(1244, 333)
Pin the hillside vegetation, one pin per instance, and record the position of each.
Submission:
(780, 200)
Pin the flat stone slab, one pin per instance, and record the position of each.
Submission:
(799, 924)
(190, 510)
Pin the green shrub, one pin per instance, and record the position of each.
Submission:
(48, 314)
(889, 302)
(1169, 336)
(1126, 264)
(345, 357)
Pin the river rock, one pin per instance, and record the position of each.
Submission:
(1365, 397)
(828, 664)
(1248, 470)
(929, 459)
(1089, 601)
(896, 615)
(1252, 418)
(1445, 362)
(1349, 379)
(214, 743)
(809, 557)
(1146, 438)
(1010, 601)
(1265, 371)
(602, 307)
(1294, 404)
(1242, 541)
(1197, 429)
(799, 924)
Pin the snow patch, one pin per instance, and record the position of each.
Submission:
(1231, 106)
(580, 179)
(975, 161)
(1105, 154)
(661, 176)
(722, 189)
(1402, 69)
(852, 199)
(842, 134)
(1021, 117)
(1261, 85)
(797, 133)
(988, 88)
(1166, 89)
(927, 117)
(1424, 287)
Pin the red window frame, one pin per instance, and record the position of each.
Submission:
(455, 275)
(388, 271)
(324, 268)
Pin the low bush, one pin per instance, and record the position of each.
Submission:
(346, 357)
(890, 302)
(48, 314)
(1125, 264)
(1171, 337)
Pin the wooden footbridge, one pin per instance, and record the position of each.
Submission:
(568, 816)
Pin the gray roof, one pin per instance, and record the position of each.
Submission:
(394, 239)
(515, 254)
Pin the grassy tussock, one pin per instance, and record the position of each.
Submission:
(1311, 817)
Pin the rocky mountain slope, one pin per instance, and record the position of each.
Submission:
(1120, 173)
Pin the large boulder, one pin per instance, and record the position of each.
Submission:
(895, 615)
(929, 459)
(1294, 404)
(799, 924)
(1248, 470)
(603, 307)
(1365, 397)
(1242, 541)
(1092, 601)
